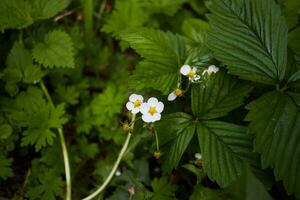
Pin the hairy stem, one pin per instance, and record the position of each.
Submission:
(113, 170)
(63, 146)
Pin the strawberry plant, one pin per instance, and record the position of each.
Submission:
(150, 99)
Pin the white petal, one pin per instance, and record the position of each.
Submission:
(156, 117)
(144, 108)
(198, 156)
(139, 97)
(152, 101)
(147, 118)
(213, 69)
(132, 97)
(194, 69)
(159, 107)
(172, 96)
(129, 105)
(196, 78)
(135, 110)
(185, 69)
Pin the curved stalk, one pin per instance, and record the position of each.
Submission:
(63, 146)
(114, 169)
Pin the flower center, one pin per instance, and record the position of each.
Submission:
(152, 110)
(191, 74)
(178, 92)
(137, 103)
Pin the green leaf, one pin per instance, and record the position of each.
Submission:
(248, 187)
(20, 66)
(163, 54)
(56, 50)
(291, 11)
(162, 189)
(178, 146)
(127, 15)
(14, 14)
(38, 117)
(167, 7)
(44, 9)
(250, 37)
(5, 131)
(205, 193)
(196, 30)
(49, 188)
(219, 95)
(225, 148)
(5, 170)
(275, 122)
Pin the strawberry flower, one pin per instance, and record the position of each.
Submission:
(134, 103)
(190, 72)
(151, 110)
(176, 93)
(211, 69)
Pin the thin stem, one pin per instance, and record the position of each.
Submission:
(63, 146)
(113, 170)
(156, 140)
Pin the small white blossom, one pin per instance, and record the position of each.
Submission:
(35, 81)
(176, 93)
(190, 72)
(118, 173)
(211, 69)
(198, 156)
(151, 110)
(134, 103)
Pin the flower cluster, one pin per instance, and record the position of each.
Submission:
(193, 75)
(151, 110)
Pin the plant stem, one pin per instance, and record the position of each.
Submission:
(63, 146)
(156, 140)
(113, 170)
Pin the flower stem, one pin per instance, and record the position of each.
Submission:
(63, 146)
(113, 170)
(156, 140)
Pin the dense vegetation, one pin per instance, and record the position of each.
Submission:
(171, 99)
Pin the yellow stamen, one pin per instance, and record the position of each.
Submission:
(178, 92)
(137, 103)
(191, 74)
(152, 110)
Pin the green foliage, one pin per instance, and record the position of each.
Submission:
(44, 9)
(163, 53)
(229, 140)
(49, 186)
(219, 95)
(250, 37)
(178, 137)
(62, 75)
(38, 117)
(5, 170)
(56, 50)
(275, 122)
(162, 189)
(15, 14)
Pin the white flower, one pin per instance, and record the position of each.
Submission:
(118, 173)
(190, 72)
(211, 69)
(151, 110)
(198, 156)
(176, 93)
(134, 103)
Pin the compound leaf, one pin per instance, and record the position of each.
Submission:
(250, 37)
